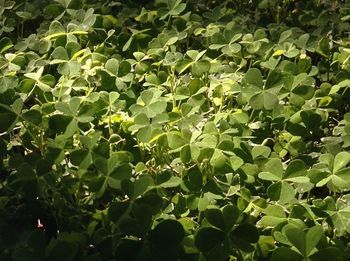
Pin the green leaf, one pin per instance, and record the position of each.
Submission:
(286, 254)
(296, 169)
(147, 96)
(118, 174)
(236, 162)
(276, 211)
(341, 160)
(127, 45)
(193, 180)
(124, 68)
(5, 44)
(168, 232)
(81, 158)
(185, 154)
(156, 108)
(253, 77)
(141, 185)
(7, 120)
(138, 187)
(70, 4)
(274, 166)
(69, 68)
(269, 176)
(261, 151)
(304, 91)
(297, 237)
(285, 35)
(183, 65)
(231, 215)
(341, 219)
(60, 53)
(271, 63)
(141, 119)
(175, 140)
(281, 191)
(218, 159)
(171, 183)
(341, 180)
(145, 134)
(112, 66)
(203, 202)
(200, 67)
(207, 238)
(72, 48)
(323, 47)
(44, 46)
(243, 237)
(274, 80)
(116, 210)
(71, 129)
(329, 253)
(264, 100)
(247, 232)
(313, 236)
(215, 217)
(275, 215)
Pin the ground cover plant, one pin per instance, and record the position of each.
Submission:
(174, 130)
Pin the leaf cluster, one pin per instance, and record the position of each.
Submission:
(174, 130)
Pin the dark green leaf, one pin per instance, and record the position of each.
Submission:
(207, 238)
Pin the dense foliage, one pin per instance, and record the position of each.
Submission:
(174, 130)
